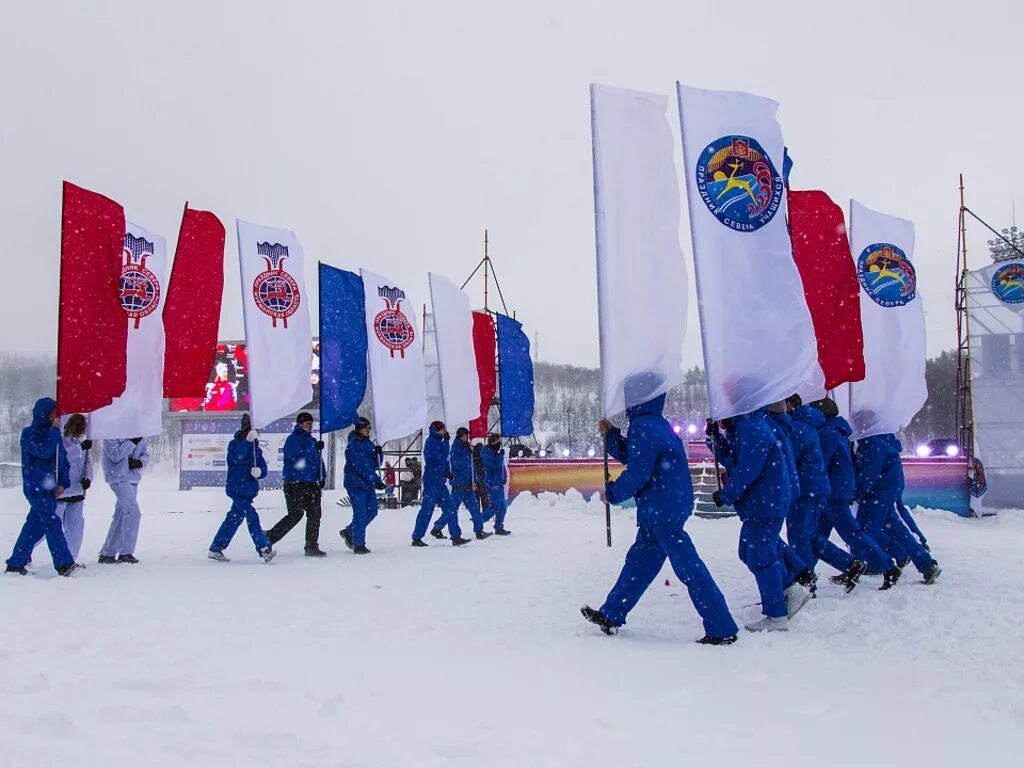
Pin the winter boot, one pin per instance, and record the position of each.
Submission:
(107, 560)
(267, 553)
(891, 577)
(932, 574)
(851, 576)
(502, 532)
(437, 533)
(796, 598)
(128, 559)
(346, 536)
(768, 624)
(904, 563)
(459, 541)
(481, 535)
(419, 543)
(69, 570)
(220, 557)
(361, 550)
(598, 618)
(709, 640)
(17, 570)
(313, 550)
(808, 578)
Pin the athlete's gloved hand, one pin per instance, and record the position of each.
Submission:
(379, 485)
(717, 498)
(136, 440)
(319, 445)
(255, 472)
(86, 445)
(86, 483)
(134, 463)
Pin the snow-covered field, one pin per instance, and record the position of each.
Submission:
(478, 656)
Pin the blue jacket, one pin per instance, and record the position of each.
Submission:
(80, 467)
(782, 428)
(838, 458)
(44, 465)
(879, 469)
(242, 458)
(463, 476)
(361, 464)
(657, 474)
(302, 461)
(436, 451)
(805, 422)
(115, 460)
(758, 481)
(495, 474)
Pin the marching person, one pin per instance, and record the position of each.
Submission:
(44, 476)
(464, 486)
(304, 478)
(246, 467)
(657, 475)
(71, 504)
(362, 461)
(123, 462)
(436, 472)
(879, 486)
(495, 477)
(911, 523)
(758, 487)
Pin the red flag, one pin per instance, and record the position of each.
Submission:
(92, 327)
(484, 346)
(192, 307)
(822, 254)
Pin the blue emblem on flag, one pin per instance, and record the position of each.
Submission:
(738, 183)
(1008, 283)
(886, 275)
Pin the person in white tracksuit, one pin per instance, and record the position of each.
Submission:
(123, 461)
(71, 504)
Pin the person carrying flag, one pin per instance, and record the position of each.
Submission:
(464, 487)
(304, 479)
(436, 473)
(123, 462)
(495, 477)
(362, 481)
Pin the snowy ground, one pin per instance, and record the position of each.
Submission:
(478, 656)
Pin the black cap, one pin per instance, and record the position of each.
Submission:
(827, 406)
(437, 426)
(494, 437)
(362, 423)
(303, 416)
(794, 401)
(461, 431)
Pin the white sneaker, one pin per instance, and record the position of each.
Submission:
(267, 554)
(768, 624)
(797, 596)
(220, 557)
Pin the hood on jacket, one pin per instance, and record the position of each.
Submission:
(41, 411)
(808, 415)
(840, 425)
(653, 407)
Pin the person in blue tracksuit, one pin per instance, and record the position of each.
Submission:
(304, 478)
(911, 523)
(123, 462)
(802, 521)
(436, 471)
(758, 486)
(495, 478)
(834, 435)
(44, 476)
(464, 483)
(362, 481)
(657, 475)
(246, 467)
(879, 485)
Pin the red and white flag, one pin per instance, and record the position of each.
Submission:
(92, 336)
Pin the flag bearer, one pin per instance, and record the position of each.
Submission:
(495, 478)
(123, 462)
(304, 479)
(464, 482)
(71, 504)
(362, 481)
(436, 458)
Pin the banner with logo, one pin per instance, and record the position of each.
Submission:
(92, 336)
(641, 275)
(456, 358)
(892, 315)
(137, 411)
(275, 309)
(750, 295)
(397, 376)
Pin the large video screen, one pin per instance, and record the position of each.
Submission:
(228, 387)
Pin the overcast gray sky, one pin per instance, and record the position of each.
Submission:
(389, 135)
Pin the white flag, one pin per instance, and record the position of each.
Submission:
(396, 359)
(456, 356)
(137, 412)
(892, 313)
(641, 275)
(759, 342)
(275, 308)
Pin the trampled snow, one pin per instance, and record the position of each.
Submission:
(478, 656)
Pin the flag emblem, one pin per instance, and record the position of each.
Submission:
(275, 291)
(738, 183)
(886, 275)
(391, 326)
(138, 288)
(1008, 283)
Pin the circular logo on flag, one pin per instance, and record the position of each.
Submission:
(738, 183)
(276, 294)
(139, 290)
(886, 275)
(1008, 283)
(394, 330)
